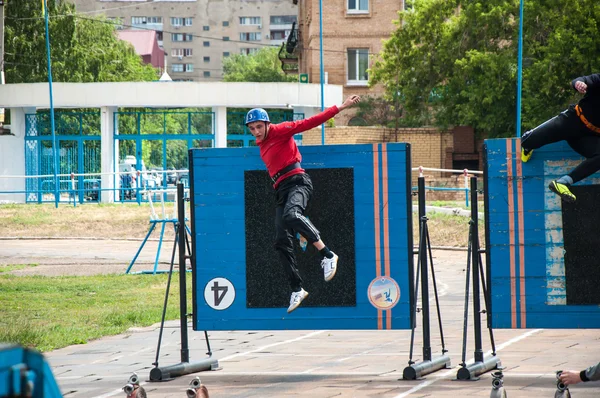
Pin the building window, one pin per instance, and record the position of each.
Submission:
(154, 20)
(206, 59)
(206, 28)
(358, 6)
(225, 38)
(225, 23)
(138, 20)
(181, 37)
(206, 44)
(358, 63)
(159, 35)
(181, 52)
(283, 19)
(176, 21)
(177, 68)
(248, 51)
(250, 36)
(188, 67)
(249, 20)
(226, 54)
(188, 21)
(206, 73)
(279, 34)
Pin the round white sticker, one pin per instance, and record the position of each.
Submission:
(384, 293)
(219, 293)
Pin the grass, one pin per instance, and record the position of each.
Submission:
(14, 267)
(448, 230)
(47, 313)
(90, 220)
(452, 204)
(120, 221)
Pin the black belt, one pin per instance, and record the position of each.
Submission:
(286, 169)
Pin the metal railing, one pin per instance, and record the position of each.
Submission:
(464, 172)
(129, 186)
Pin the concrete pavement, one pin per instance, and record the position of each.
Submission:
(333, 363)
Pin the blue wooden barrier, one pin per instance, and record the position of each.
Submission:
(382, 229)
(25, 373)
(534, 260)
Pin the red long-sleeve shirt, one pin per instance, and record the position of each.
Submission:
(279, 149)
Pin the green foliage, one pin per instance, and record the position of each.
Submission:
(262, 66)
(53, 312)
(82, 49)
(454, 62)
(375, 111)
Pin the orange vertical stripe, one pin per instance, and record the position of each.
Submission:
(511, 233)
(377, 224)
(386, 224)
(521, 229)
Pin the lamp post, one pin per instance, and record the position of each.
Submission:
(520, 69)
(322, 72)
(54, 149)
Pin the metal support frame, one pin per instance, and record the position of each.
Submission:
(185, 366)
(428, 365)
(153, 224)
(480, 364)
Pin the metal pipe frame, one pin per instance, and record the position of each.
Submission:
(472, 371)
(420, 369)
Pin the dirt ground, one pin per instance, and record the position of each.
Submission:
(56, 257)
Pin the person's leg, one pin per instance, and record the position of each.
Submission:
(285, 247)
(293, 217)
(553, 130)
(588, 147)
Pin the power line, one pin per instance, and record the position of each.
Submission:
(115, 23)
(137, 4)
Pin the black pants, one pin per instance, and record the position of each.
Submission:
(567, 126)
(292, 197)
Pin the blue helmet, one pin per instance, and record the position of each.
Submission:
(257, 115)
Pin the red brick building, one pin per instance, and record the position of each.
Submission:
(353, 31)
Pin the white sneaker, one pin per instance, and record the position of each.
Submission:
(329, 266)
(296, 299)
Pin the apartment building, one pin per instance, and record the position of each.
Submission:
(197, 35)
(353, 31)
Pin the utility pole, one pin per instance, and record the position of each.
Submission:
(1, 54)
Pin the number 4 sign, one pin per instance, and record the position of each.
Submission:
(219, 293)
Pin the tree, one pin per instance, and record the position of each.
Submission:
(82, 49)
(374, 111)
(454, 62)
(261, 66)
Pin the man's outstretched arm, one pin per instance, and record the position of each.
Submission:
(291, 128)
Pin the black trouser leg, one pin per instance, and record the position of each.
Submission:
(285, 248)
(587, 146)
(558, 128)
(293, 214)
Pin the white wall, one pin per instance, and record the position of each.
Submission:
(12, 158)
(169, 94)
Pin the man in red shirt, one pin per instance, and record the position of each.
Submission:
(293, 189)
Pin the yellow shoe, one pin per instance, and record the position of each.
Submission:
(526, 155)
(562, 190)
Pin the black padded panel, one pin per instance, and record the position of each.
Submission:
(581, 234)
(331, 209)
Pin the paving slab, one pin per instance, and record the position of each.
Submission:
(309, 363)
